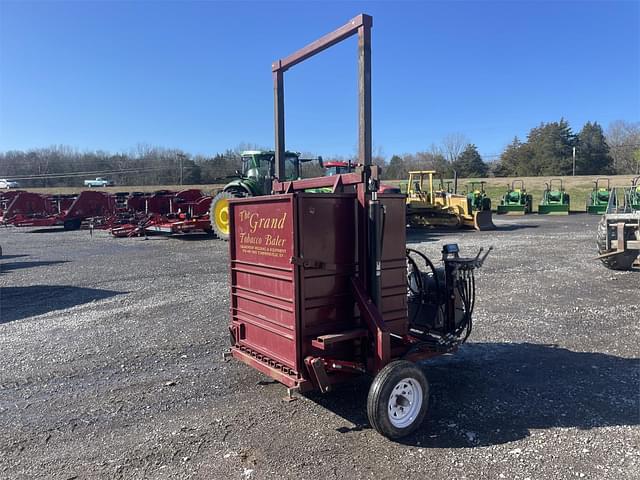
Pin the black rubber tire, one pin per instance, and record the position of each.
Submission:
(74, 224)
(622, 261)
(381, 390)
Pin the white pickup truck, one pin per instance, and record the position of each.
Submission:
(4, 183)
(98, 182)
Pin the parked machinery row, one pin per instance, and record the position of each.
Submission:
(123, 213)
(556, 201)
(516, 200)
(427, 205)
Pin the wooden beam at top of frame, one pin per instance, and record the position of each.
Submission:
(347, 30)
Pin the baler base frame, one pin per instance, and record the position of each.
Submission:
(262, 364)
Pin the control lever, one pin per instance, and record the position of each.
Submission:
(450, 255)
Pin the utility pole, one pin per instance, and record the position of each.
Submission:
(574, 161)
(181, 157)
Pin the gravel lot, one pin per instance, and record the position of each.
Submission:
(111, 367)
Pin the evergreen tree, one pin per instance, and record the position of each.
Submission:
(470, 164)
(514, 160)
(551, 147)
(592, 151)
(396, 169)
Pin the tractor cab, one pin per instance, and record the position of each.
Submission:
(259, 165)
(337, 168)
(420, 186)
(255, 179)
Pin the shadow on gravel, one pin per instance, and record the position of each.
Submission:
(8, 267)
(48, 230)
(7, 257)
(194, 237)
(512, 227)
(489, 394)
(432, 234)
(22, 302)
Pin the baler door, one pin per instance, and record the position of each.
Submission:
(263, 280)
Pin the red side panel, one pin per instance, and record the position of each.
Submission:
(394, 267)
(91, 204)
(27, 203)
(262, 279)
(328, 243)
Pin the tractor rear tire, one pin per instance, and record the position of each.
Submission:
(398, 399)
(219, 214)
(622, 261)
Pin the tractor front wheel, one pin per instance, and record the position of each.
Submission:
(398, 399)
(219, 214)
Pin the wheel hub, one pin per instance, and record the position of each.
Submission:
(405, 402)
(222, 215)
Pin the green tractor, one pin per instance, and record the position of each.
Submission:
(253, 180)
(634, 193)
(516, 201)
(479, 199)
(599, 198)
(555, 201)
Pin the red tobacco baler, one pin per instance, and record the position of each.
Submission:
(323, 287)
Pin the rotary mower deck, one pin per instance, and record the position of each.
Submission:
(323, 288)
(27, 209)
(122, 213)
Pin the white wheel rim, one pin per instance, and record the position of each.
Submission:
(405, 403)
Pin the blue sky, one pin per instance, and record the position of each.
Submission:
(197, 76)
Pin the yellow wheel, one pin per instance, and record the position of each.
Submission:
(219, 214)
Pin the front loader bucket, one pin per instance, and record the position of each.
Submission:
(596, 209)
(556, 209)
(511, 210)
(482, 220)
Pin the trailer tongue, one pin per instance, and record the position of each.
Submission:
(323, 287)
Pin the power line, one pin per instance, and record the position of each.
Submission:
(82, 174)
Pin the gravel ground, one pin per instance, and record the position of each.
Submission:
(111, 367)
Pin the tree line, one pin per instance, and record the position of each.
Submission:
(547, 150)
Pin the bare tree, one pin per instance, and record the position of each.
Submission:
(623, 139)
(454, 144)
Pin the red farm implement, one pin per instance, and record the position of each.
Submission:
(65, 211)
(21, 206)
(323, 287)
(166, 213)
